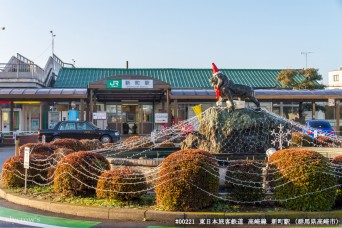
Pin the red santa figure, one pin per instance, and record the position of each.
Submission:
(217, 90)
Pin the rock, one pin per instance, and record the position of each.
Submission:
(244, 131)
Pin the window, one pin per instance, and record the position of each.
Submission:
(336, 78)
(84, 126)
(67, 126)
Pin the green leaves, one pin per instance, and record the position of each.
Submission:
(300, 79)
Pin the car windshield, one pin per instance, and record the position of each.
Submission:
(319, 124)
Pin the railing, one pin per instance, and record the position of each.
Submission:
(18, 133)
(21, 71)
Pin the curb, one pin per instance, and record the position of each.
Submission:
(153, 215)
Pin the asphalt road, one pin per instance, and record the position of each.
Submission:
(5, 152)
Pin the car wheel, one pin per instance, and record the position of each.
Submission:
(106, 139)
(56, 138)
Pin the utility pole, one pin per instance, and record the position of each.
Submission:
(53, 42)
(306, 57)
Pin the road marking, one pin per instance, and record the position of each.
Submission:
(27, 223)
(30, 219)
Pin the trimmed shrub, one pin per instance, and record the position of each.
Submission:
(244, 180)
(78, 173)
(13, 172)
(302, 180)
(301, 140)
(137, 141)
(62, 152)
(91, 144)
(337, 161)
(121, 184)
(107, 145)
(167, 144)
(184, 180)
(38, 148)
(73, 144)
(324, 141)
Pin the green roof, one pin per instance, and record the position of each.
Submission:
(177, 78)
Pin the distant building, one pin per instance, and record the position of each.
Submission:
(335, 79)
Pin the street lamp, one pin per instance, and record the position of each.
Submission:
(306, 57)
(53, 42)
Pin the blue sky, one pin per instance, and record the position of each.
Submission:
(248, 34)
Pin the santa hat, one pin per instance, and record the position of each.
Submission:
(215, 69)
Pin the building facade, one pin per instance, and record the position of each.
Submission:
(335, 79)
(147, 98)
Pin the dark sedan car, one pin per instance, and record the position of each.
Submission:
(78, 130)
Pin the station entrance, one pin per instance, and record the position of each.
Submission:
(130, 103)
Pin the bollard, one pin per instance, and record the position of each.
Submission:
(43, 139)
(16, 150)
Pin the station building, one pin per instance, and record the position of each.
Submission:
(33, 98)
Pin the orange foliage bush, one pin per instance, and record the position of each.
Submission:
(121, 184)
(73, 144)
(38, 148)
(184, 177)
(13, 172)
(91, 144)
(337, 162)
(78, 173)
(302, 179)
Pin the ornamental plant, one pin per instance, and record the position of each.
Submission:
(121, 184)
(91, 144)
(244, 180)
(337, 164)
(13, 172)
(38, 148)
(186, 181)
(73, 144)
(167, 144)
(302, 180)
(137, 141)
(324, 141)
(301, 140)
(78, 173)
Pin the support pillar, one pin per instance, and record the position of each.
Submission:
(337, 112)
(175, 107)
(82, 110)
(91, 106)
(41, 114)
(11, 116)
(313, 110)
(168, 107)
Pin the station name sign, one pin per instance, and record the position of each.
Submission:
(129, 84)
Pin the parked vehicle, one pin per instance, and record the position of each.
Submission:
(78, 130)
(316, 128)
